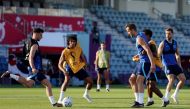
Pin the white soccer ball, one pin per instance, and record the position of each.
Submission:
(67, 102)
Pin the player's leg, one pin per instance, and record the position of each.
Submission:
(49, 93)
(150, 93)
(140, 86)
(142, 71)
(99, 78)
(89, 84)
(26, 82)
(63, 88)
(83, 75)
(107, 79)
(181, 77)
(169, 85)
(45, 82)
(153, 87)
(132, 81)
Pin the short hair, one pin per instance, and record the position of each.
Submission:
(71, 37)
(38, 30)
(131, 26)
(169, 29)
(148, 32)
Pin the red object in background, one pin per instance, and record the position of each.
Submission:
(43, 49)
(15, 27)
(9, 34)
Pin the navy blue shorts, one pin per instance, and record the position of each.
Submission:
(81, 74)
(101, 70)
(143, 69)
(136, 69)
(37, 77)
(173, 69)
(154, 76)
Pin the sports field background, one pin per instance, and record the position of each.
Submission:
(120, 97)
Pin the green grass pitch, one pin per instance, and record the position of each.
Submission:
(120, 97)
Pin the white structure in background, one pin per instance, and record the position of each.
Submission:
(59, 40)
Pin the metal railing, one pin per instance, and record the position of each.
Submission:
(157, 12)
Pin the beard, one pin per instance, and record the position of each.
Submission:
(169, 38)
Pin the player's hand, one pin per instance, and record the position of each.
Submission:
(144, 52)
(152, 68)
(135, 58)
(66, 73)
(34, 70)
(96, 69)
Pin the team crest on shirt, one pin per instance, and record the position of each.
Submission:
(167, 71)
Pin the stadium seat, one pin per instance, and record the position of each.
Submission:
(6, 3)
(26, 4)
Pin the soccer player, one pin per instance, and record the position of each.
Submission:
(12, 66)
(172, 63)
(73, 56)
(35, 62)
(102, 66)
(146, 62)
(152, 79)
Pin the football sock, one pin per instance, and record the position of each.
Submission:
(164, 99)
(150, 99)
(167, 94)
(136, 96)
(61, 96)
(98, 86)
(52, 100)
(141, 98)
(86, 92)
(176, 92)
(107, 86)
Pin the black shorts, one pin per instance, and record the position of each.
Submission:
(143, 69)
(101, 70)
(173, 69)
(134, 71)
(81, 74)
(154, 76)
(37, 77)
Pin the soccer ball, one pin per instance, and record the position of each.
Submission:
(67, 102)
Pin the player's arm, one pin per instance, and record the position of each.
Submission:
(108, 61)
(153, 49)
(135, 58)
(178, 58)
(33, 50)
(96, 60)
(160, 49)
(61, 63)
(141, 42)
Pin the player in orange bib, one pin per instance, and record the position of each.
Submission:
(73, 56)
